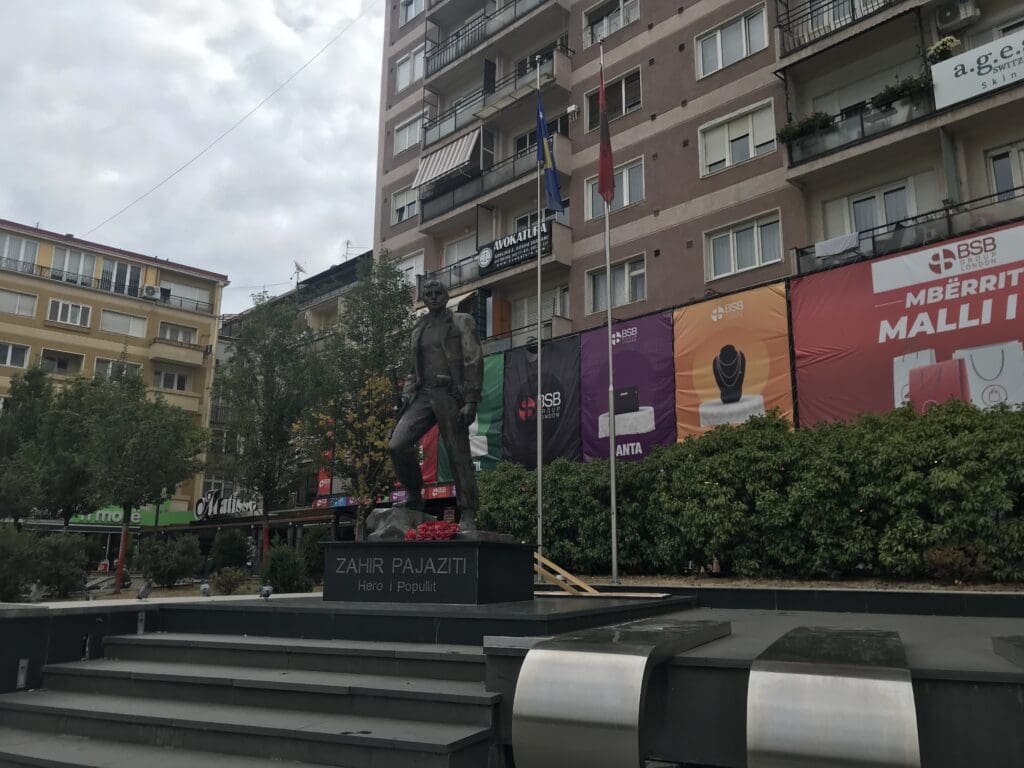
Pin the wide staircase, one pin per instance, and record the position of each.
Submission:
(177, 700)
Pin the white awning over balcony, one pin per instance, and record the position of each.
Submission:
(446, 159)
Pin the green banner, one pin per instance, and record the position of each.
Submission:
(146, 517)
(485, 432)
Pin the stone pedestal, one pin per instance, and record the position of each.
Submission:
(456, 571)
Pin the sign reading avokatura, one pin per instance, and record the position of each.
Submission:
(428, 572)
(514, 249)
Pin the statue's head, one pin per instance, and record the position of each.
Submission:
(434, 294)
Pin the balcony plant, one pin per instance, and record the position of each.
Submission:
(805, 126)
(942, 49)
(908, 87)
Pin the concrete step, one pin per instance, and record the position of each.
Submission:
(34, 749)
(445, 701)
(332, 739)
(418, 660)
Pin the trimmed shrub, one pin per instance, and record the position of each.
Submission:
(228, 549)
(167, 561)
(61, 561)
(226, 581)
(17, 562)
(285, 570)
(312, 552)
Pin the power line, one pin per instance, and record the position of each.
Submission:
(238, 122)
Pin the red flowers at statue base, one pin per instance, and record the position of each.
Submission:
(432, 530)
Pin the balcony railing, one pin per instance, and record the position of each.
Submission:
(107, 285)
(441, 198)
(464, 113)
(520, 337)
(469, 36)
(220, 414)
(802, 22)
(859, 126)
(916, 231)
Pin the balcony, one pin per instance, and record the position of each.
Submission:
(446, 195)
(851, 128)
(914, 232)
(509, 90)
(177, 352)
(802, 22)
(467, 37)
(106, 285)
(220, 414)
(520, 337)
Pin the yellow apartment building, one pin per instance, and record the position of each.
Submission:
(76, 307)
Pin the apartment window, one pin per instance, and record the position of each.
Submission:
(18, 253)
(409, 69)
(13, 355)
(1006, 168)
(529, 220)
(408, 134)
(607, 18)
(527, 142)
(882, 206)
(179, 333)
(171, 380)
(744, 246)
(119, 322)
(61, 363)
(73, 266)
(460, 250)
(1013, 26)
(554, 301)
(737, 139)
(731, 42)
(629, 189)
(14, 303)
(411, 266)
(411, 9)
(629, 284)
(403, 205)
(67, 312)
(115, 369)
(622, 96)
(120, 277)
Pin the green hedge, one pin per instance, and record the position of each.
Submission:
(897, 496)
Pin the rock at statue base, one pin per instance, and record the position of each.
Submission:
(391, 523)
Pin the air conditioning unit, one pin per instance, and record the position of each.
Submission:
(151, 292)
(956, 15)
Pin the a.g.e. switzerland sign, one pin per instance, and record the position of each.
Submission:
(980, 70)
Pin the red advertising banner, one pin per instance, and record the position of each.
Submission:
(924, 326)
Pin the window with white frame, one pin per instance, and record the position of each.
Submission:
(622, 96)
(629, 189)
(527, 142)
(73, 266)
(184, 296)
(878, 207)
(1006, 170)
(15, 303)
(604, 19)
(115, 369)
(119, 322)
(407, 135)
(460, 250)
(61, 363)
(554, 301)
(409, 69)
(629, 284)
(13, 355)
(120, 277)
(18, 253)
(403, 205)
(179, 333)
(410, 10)
(732, 42)
(743, 246)
(737, 139)
(528, 220)
(411, 266)
(69, 312)
(171, 380)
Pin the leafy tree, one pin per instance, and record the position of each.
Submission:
(266, 384)
(61, 561)
(166, 561)
(284, 570)
(228, 549)
(21, 457)
(363, 363)
(17, 562)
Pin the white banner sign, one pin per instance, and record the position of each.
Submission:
(979, 70)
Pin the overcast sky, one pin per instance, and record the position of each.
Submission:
(101, 99)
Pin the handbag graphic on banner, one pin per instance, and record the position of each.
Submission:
(901, 368)
(995, 373)
(932, 385)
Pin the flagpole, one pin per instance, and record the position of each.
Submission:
(611, 377)
(538, 405)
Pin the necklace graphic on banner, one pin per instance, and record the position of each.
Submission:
(729, 367)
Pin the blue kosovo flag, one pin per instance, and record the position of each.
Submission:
(546, 159)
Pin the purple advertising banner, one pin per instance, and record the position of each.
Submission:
(644, 393)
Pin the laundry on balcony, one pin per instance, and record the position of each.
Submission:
(836, 245)
(450, 157)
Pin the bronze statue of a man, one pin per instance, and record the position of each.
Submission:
(443, 389)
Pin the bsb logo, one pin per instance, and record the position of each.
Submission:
(722, 310)
(945, 260)
(625, 335)
(551, 402)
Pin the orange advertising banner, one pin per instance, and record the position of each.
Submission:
(732, 359)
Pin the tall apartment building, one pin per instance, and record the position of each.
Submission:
(709, 197)
(77, 307)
